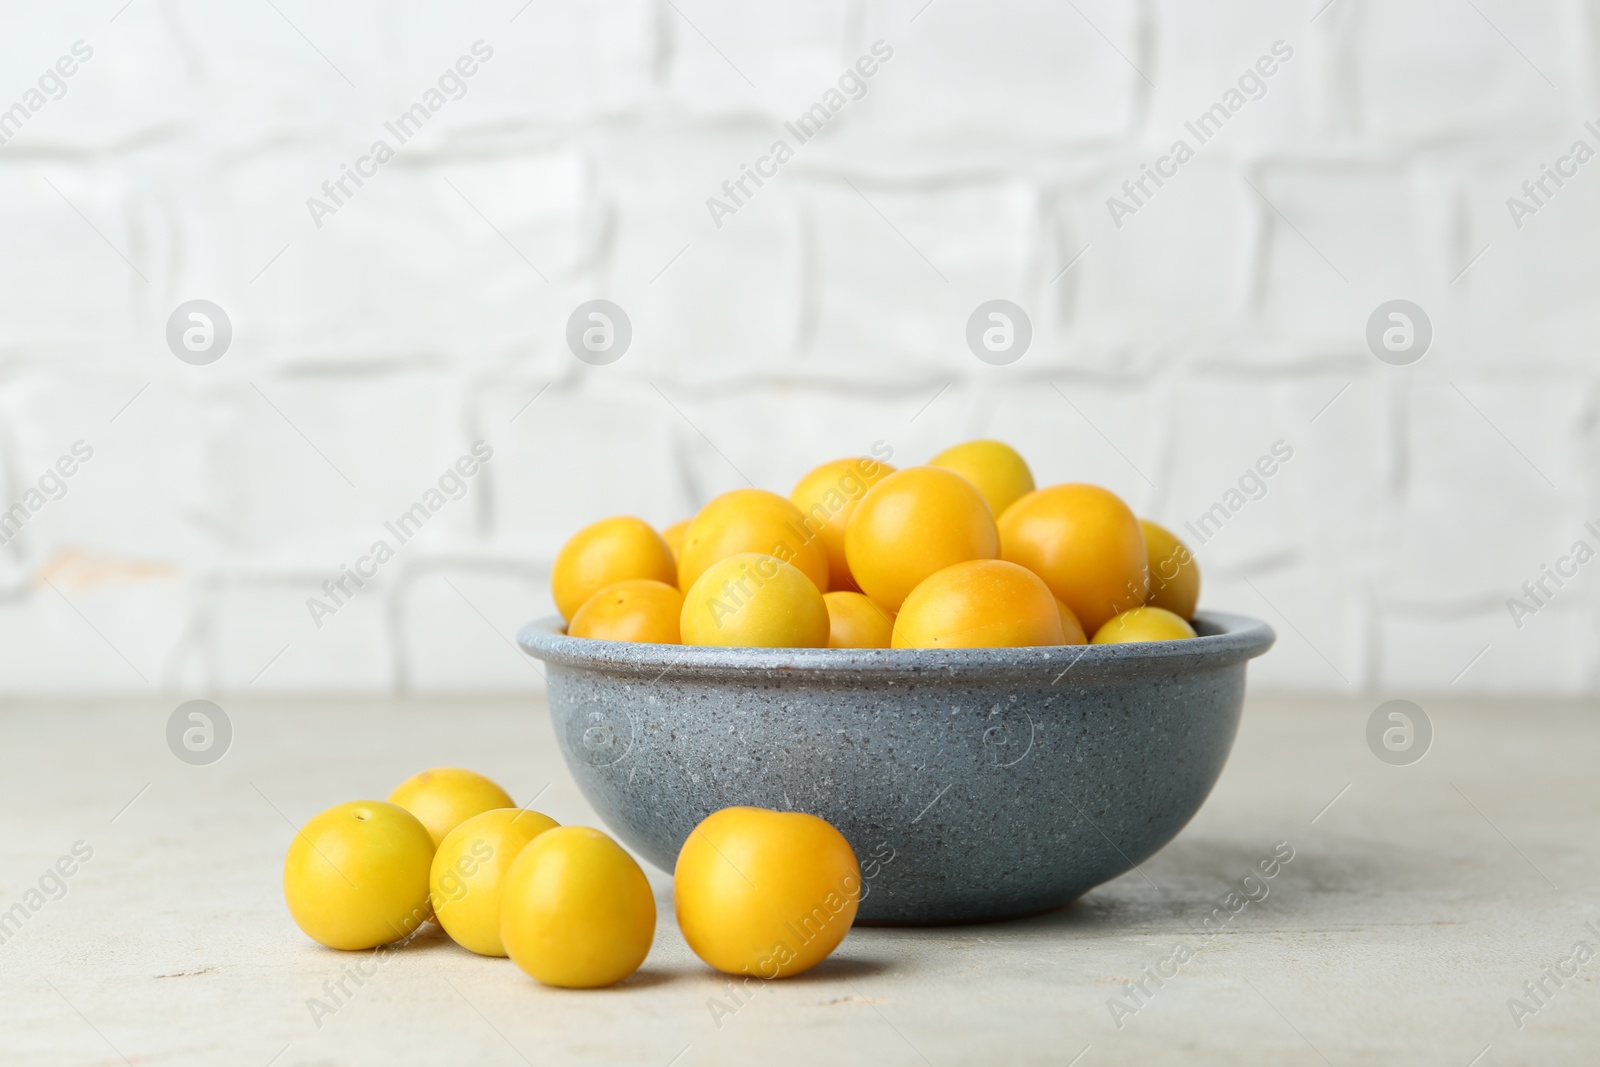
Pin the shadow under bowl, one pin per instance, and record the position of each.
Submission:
(973, 784)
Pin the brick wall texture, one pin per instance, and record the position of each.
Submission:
(537, 155)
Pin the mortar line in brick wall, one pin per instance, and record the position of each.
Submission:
(1296, 229)
(487, 622)
(702, 434)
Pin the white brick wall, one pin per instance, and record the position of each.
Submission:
(430, 309)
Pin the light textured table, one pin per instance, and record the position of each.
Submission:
(1415, 905)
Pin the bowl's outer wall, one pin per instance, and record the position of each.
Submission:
(964, 797)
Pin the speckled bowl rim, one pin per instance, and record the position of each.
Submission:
(1225, 639)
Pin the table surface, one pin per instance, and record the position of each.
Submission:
(1418, 903)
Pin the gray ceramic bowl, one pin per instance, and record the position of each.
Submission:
(973, 783)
